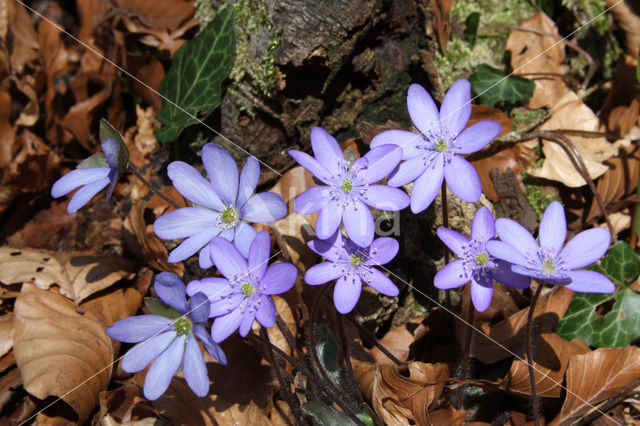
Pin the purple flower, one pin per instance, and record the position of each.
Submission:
(243, 295)
(93, 174)
(224, 204)
(546, 260)
(349, 189)
(432, 155)
(474, 263)
(169, 337)
(351, 264)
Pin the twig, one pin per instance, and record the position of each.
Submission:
(532, 380)
(151, 187)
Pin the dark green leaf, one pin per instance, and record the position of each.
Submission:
(96, 160)
(327, 349)
(108, 131)
(493, 86)
(193, 82)
(156, 307)
(324, 415)
(620, 326)
(471, 28)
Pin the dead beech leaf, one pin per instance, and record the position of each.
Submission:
(79, 275)
(168, 14)
(628, 19)
(400, 339)
(551, 358)
(482, 112)
(505, 302)
(275, 335)
(597, 376)
(441, 22)
(6, 333)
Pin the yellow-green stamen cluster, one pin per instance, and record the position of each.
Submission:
(441, 145)
(548, 267)
(248, 289)
(182, 326)
(482, 258)
(229, 215)
(346, 186)
(355, 260)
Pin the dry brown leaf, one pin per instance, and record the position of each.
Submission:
(628, 19)
(79, 275)
(400, 339)
(597, 376)
(551, 358)
(505, 302)
(482, 112)
(275, 335)
(169, 14)
(9, 382)
(7, 133)
(6, 333)
(441, 21)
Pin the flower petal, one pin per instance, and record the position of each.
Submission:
(477, 136)
(456, 242)
(223, 172)
(426, 187)
(481, 292)
(483, 227)
(204, 257)
(380, 162)
(85, 194)
(225, 325)
(191, 245)
(330, 249)
(139, 356)
(326, 150)
(383, 250)
(227, 258)
(358, 222)
(184, 222)
(248, 180)
(225, 305)
(312, 165)
(195, 370)
(346, 293)
(193, 186)
(328, 220)
(211, 347)
(244, 236)
(76, 178)
(279, 278)
(138, 328)
(266, 314)
(248, 316)
(553, 228)
(411, 143)
(386, 198)
(408, 171)
(456, 106)
(200, 308)
(171, 290)
(422, 109)
(312, 200)
(517, 236)
(451, 275)
(212, 287)
(463, 179)
(381, 283)
(162, 370)
(590, 282)
(322, 273)
(111, 149)
(259, 255)
(505, 275)
(263, 208)
(586, 248)
(540, 276)
(504, 251)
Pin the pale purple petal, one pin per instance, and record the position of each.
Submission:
(212, 287)
(259, 255)
(200, 308)
(227, 258)
(248, 180)
(266, 314)
(170, 289)
(111, 148)
(328, 220)
(322, 273)
(279, 278)
(380, 162)
(204, 257)
(195, 370)
(590, 282)
(386, 198)
(411, 143)
(225, 305)
(456, 106)
(383, 250)
(456, 242)
(481, 292)
(505, 275)
(463, 179)
(553, 228)
(346, 293)
(244, 235)
(76, 178)
(538, 275)
(211, 347)
(426, 187)
(477, 136)
(139, 356)
(451, 275)
(326, 150)
(113, 179)
(263, 208)
(162, 370)
(408, 171)
(223, 172)
(330, 248)
(504, 251)
(191, 245)
(381, 283)
(312, 200)
(483, 227)
(225, 325)
(193, 186)
(229, 234)
(246, 322)
(312, 165)
(358, 222)
(586, 248)
(138, 328)
(184, 222)
(85, 194)
(422, 109)
(517, 236)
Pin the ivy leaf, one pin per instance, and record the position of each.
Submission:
(194, 80)
(621, 325)
(492, 85)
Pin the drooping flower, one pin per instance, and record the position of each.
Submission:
(168, 336)
(93, 174)
(349, 188)
(433, 155)
(546, 260)
(351, 264)
(243, 295)
(224, 205)
(474, 263)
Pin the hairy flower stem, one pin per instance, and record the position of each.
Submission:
(291, 340)
(372, 339)
(351, 376)
(535, 402)
(445, 224)
(465, 355)
(149, 185)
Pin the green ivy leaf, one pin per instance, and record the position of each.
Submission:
(194, 80)
(491, 86)
(621, 325)
(471, 28)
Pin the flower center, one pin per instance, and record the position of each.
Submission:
(182, 326)
(355, 260)
(482, 258)
(248, 289)
(346, 186)
(229, 216)
(548, 266)
(441, 145)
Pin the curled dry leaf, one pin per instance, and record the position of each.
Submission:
(597, 376)
(79, 275)
(505, 302)
(6, 333)
(168, 14)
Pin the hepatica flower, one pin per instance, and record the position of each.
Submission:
(351, 264)
(349, 188)
(546, 259)
(224, 204)
(434, 155)
(474, 263)
(243, 295)
(169, 337)
(92, 174)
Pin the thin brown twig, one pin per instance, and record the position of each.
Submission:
(151, 187)
(535, 402)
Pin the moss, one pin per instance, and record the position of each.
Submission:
(538, 198)
(589, 14)
(524, 118)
